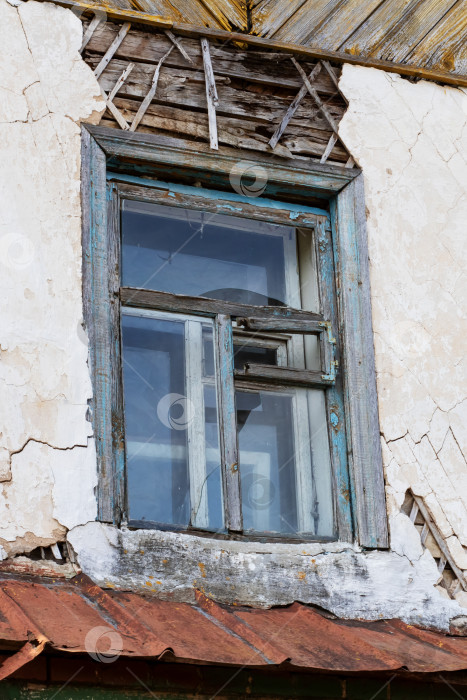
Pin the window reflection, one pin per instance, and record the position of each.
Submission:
(203, 254)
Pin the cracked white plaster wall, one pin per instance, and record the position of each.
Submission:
(47, 456)
(411, 141)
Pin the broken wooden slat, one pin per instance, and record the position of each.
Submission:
(211, 94)
(316, 97)
(442, 564)
(120, 81)
(178, 44)
(184, 87)
(424, 533)
(256, 66)
(293, 108)
(122, 122)
(97, 20)
(331, 143)
(147, 100)
(332, 75)
(440, 541)
(350, 163)
(414, 512)
(119, 118)
(125, 28)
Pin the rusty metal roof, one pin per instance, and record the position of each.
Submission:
(63, 616)
(427, 38)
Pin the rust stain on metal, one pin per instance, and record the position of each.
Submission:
(36, 614)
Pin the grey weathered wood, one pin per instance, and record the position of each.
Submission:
(112, 239)
(120, 81)
(158, 151)
(331, 143)
(97, 311)
(312, 326)
(440, 541)
(211, 94)
(228, 424)
(322, 250)
(359, 370)
(109, 98)
(152, 91)
(224, 204)
(118, 116)
(286, 376)
(149, 299)
(316, 97)
(293, 108)
(256, 66)
(105, 60)
(97, 20)
(183, 88)
(176, 41)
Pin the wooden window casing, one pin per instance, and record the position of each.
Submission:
(117, 165)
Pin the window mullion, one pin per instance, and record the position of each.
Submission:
(195, 425)
(228, 423)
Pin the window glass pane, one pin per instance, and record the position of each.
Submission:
(284, 462)
(244, 354)
(171, 426)
(203, 254)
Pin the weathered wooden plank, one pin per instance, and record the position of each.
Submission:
(341, 21)
(221, 203)
(314, 325)
(440, 541)
(230, 14)
(305, 21)
(395, 28)
(254, 65)
(212, 97)
(228, 424)
(311, 52)
(445, 47)
(285, 376)
(185, 88)
(270, 15)
(151, 299)
(110, 296)
(351, 252)
(118, 116)
(162, 153)
(196, 13)
(322, 251)
(150, 95)
(161, 8)
(232, 132)
(175, 40)
(97, 20)
(316, 97)
(292, 109)
(332, 142)
(97, 311)
(107, 57)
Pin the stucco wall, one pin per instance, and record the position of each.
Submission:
(47, 455)
(411, 141)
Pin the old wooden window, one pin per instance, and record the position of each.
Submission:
(224, 372)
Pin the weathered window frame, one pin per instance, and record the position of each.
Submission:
(354, 424)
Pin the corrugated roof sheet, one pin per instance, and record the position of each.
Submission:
(423, 34)
(60, 615)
